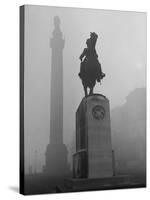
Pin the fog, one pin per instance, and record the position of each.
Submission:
(121, 48)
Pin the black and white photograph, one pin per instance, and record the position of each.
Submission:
(82, 99)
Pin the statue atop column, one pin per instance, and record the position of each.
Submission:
(57, 42)
(90, 67)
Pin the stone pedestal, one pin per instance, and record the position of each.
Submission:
(56, 164)
(93, 162)
(93, 157)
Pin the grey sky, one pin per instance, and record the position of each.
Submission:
(121, 48)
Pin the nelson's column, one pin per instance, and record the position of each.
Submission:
(56, 152)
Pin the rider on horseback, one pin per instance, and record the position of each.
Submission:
(91, 59)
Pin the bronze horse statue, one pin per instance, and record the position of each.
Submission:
(90, 67)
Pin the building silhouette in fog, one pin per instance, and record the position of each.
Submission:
(129, 133)
(56, 152)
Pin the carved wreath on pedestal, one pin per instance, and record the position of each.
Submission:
(98, 112)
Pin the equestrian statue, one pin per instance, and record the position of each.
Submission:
(90, 67)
